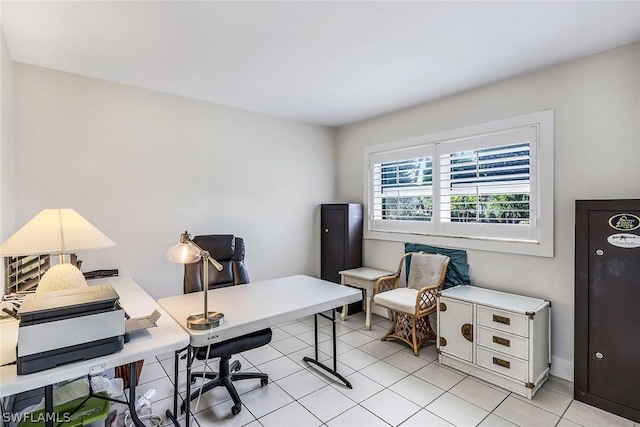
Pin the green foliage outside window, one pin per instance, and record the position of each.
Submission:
(415, 208)
(498, 208)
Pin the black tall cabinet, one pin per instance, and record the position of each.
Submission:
(341, 240)
(607, 264)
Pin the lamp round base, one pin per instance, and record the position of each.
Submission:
(200, 321)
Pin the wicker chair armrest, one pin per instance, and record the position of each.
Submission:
(387, 283)
(426, 299)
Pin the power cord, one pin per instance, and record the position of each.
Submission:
(143, 401)
(206, 368)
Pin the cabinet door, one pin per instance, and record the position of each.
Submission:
(332, 242)
(607, 315)
(455, 328)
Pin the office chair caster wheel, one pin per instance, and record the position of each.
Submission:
(264, 381)
(235, 409)
(238, 367)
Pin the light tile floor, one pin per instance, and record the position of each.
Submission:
(391, 387)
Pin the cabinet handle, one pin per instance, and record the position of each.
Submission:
(503, 363)
(443, 306)
(501, 319)
(467, 332)
(502, 341)
(443, 342)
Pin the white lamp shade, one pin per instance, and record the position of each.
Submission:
(183, 253)
(55, 231)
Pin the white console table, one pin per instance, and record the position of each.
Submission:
(363, 278)
(499, 337)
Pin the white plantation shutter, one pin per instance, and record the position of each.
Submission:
(481, 183)
(490, 183)
(401, 187)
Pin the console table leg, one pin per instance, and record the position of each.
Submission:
(367, 317)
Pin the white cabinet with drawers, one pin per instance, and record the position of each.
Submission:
(499, 337)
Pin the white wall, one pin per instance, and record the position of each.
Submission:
(6, 149)
(597, 147)
(144, 166)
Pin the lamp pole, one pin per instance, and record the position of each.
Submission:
(208, 319)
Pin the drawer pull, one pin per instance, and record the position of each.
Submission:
(467, 332)
(503, 363)
(501, 319)
(502, 341)
(443, 342)
(443, 306)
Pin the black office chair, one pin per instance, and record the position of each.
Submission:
(228, 250)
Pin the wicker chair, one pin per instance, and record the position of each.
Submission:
(411, 306)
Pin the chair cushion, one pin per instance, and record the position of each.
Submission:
(235, 345)
(426, 270)
(400, 299)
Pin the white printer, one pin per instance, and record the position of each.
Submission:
(69, 325)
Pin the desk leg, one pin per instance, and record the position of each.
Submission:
(187, 402)
(173, 415)
(315, 361)
(132, 394)
(48, 405)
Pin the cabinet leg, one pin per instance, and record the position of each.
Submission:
(367, 321)
(343, 315)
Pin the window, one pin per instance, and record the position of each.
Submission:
(488, 187)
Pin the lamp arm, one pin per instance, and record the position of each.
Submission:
(213, 262)
(204, 254)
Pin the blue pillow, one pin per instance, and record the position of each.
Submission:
(458, 271)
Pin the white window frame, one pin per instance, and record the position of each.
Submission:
(538, 238)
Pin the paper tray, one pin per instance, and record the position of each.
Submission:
(137, 323)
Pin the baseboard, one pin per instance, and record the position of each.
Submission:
(561, 368)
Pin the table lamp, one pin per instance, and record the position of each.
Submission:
(187, 252)
(57, 232)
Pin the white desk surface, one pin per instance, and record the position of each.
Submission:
(257, 305)
(166, 337)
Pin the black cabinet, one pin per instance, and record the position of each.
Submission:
(607, 263)
(341, 239)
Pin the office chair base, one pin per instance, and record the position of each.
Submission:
(227, 375)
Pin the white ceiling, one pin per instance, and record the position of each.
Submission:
(330, 63)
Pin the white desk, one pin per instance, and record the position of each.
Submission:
(363, 278)
(167, 336)
(258, 305)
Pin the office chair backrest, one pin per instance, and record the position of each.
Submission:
(228, 250)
